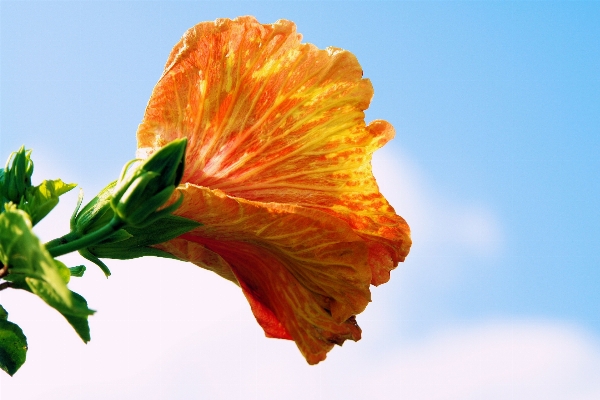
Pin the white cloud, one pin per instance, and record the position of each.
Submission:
(495, 360)
(479, 230)
(434, 220)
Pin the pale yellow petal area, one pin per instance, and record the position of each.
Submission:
(271, 119)
(303, 271)
(199, 255)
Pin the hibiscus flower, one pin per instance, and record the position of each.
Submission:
(278, 171)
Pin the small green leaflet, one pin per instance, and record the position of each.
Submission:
(41, 199)
(77, 271)
(76, 314)
(32, 268)
(13, 344)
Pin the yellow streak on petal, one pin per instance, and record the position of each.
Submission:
(272, 120)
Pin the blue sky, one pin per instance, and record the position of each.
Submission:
(494, 166)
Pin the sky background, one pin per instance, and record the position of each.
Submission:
(494, 166)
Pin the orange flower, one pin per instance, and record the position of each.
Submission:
(278, 171)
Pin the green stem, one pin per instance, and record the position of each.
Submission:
(89, 239)
(69, 237)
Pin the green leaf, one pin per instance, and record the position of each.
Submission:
(77, 271)
(26, 256)
(50, 295)
(13, 345)
(78, 322)
(76, 313)
(41, 199)
(32, 268)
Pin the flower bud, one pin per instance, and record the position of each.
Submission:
(96, 214)
(144, 186)
(16, 177)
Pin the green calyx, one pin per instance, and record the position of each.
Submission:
(129, 216)
(147, 185)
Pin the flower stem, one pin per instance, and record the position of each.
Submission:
(69, 237)
(57, 249)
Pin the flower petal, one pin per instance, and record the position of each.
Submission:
(273, 120)
(199, 255)
(303, 271)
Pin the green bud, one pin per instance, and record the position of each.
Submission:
(125, 219)
(96, 214)
(16, 177)
(145, 186)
